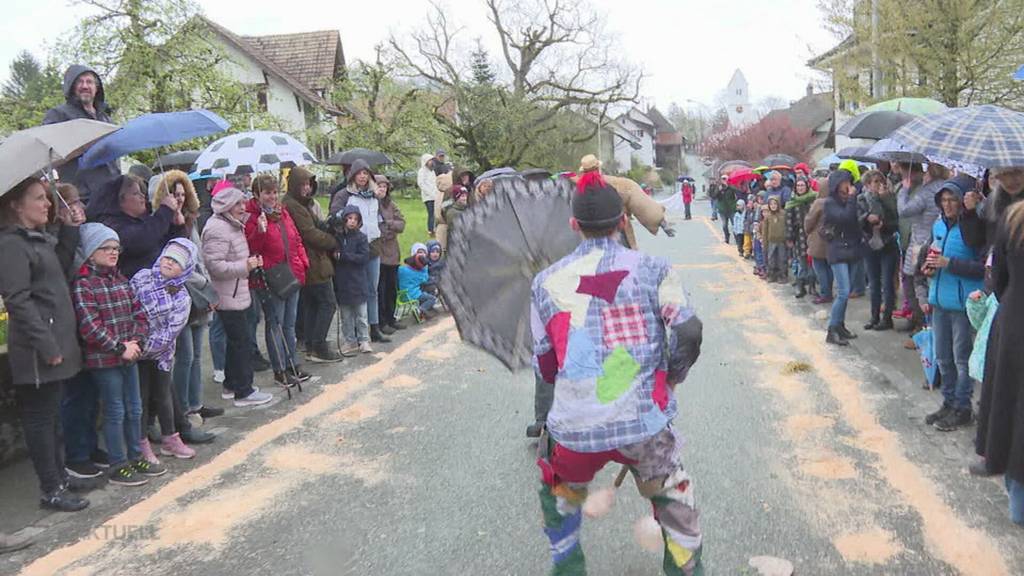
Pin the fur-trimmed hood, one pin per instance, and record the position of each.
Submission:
(167, 183)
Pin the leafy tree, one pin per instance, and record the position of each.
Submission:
(30, 92)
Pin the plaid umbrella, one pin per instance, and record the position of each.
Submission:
(858, 153)
(987, 136)
(250, 152)
(892, 151)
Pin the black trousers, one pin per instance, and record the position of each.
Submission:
(238, 357)
(155, 392)
(39, 409)
(387, 293)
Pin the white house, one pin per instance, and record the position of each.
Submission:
(737, 101)
(640, 145)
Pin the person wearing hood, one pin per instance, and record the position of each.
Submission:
(392, 224)
(124, 206)
(842, 230)
(166, 303)
(427, 182)
(726, 203)
(350, 284)
(737, 224)
(272, 234)
(363, 193)
(226, 255)
(955, 270)
(776, 187)
(43, 349)
(796, 237)
(879, 217)
(915, 203)
(773, 231)
(318, 293)
(413, 275)
(83, 98)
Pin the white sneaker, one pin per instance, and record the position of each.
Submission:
(226, 394)
(349, 350)
(254, 399)
(364, 347)
(218, 376)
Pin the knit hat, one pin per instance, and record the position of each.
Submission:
(458, 191)
(225, 198)
(178, 253)
(220, 185)
(589, 163)
(417, 247)
(596, 205)
(91, 236)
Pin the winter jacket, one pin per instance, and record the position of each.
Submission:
(319, 244)
(846, 240)
(89, 182)
(949, 287)
(687, 192)
(885, 207)
(796, 212)
(392, 224)
(41, 318)
(773, 227)
(109, 314)
(269, 244)
(170, 179)
(142, 238)
(351, 285)
(166, 304)
(435, 267)
(410, 279)
(739, 222)
(917, 210)
(426, 180)
(727, 197)
(365, 200)
(981, 313)
(783, 193)
(225, 253)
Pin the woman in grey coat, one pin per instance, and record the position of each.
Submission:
(42, 340)
(917, 211)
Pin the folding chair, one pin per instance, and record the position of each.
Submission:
(405, 305)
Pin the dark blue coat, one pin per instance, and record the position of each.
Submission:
(846, 242)
(351, 284)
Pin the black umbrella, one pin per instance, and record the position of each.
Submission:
(348, 157)
(500, 244)
(874, 125)
(185, 158)
(858, 153)
(779, 160)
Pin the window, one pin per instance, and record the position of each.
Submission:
(298, 102)
(261, 98)
(638, 133)
(739, 91)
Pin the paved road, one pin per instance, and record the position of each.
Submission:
(415, 463)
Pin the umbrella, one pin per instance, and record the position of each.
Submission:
(987, 136)
(742, 176)
(891, 150)
(858, 153)
(761, 169)
(1019, 75)
(730, 165)
(829, 160)
(775, 159)
(500, 244)
(184, 158)
(874, 125)
(250, 152)
(152, 131)
(348, 157)
(26, 152)
(914, 106)
(685, 179)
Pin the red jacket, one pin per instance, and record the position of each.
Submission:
(109, 313)
(269, 245)
(687, 193)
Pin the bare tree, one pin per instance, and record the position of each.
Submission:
(558, 65)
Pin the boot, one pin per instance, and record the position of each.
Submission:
(834, 337)
(386, 330)
(396, 325)
(534, 430)
(63, 501)
(885, 324)
(376, 335)
(873, 324)
(801, 291)
(846, 333)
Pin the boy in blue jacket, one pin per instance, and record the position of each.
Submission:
(411, 277)
(350, 282)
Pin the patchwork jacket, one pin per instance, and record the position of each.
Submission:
(614, 331)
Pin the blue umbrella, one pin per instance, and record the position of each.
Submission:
(1019, 75)
(152, 131)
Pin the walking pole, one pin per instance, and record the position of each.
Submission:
(273, 341)
(288, 357)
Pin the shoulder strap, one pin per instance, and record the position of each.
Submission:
(284, 239)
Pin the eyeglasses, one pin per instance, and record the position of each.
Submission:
(109, 249)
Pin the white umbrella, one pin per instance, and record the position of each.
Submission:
(250, 152)
(27, 152)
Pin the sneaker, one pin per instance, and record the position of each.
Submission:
(218, 376)
(396, 325)
(173, 446)
(147, 452)
(63, 501)
(126, 475)
(259, 363)
(365, 348)
(285, 379)
(955, 420)
(298, 373)
(350, 350)
(82, 470)
(147, 468)
(938, 414)
(386, 330)
(324, 355)
(100, 459)
(84, 484)
(197, 436)
(14, 542)
(822, 300)
(226, 394)
(207, 412)
(256, 398)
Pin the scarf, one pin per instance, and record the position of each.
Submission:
(801, 200)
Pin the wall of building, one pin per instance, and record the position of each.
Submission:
(281, 101)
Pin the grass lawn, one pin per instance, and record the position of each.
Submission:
(415, 213)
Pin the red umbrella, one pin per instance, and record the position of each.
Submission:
(742, 176)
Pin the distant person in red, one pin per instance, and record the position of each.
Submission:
(687, 190)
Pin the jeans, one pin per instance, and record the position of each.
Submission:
(804, 274)
(354, 327)
(252, 316)
(187, 373)
(319, 299)
(714, 210)
(726, 221)
(155, 393)
(430, 215)
(218, 342)
(824, 273)
(39, 410)
(373, 279)
(279, 330)
(238, 360)
(858, 278)
(387, 293)
(78, 410)
(776, 259)
(122, 412)
(758, 254)
(427, 301)
(954, 340)
(841, 277)
(1015, 490)
(881, 268)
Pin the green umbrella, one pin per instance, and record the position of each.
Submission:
(915, 106)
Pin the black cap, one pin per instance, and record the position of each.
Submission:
(596, 204)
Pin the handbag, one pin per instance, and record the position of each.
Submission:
(202, 299)
(281, 281)
(875, 242)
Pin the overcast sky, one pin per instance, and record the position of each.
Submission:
(688, 48)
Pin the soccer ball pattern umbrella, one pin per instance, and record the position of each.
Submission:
(250, 152)
(500, 244)
(987, 136)
(874, 125)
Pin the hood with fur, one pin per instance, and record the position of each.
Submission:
(167, 182)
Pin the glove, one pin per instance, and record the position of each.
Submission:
(667, 228)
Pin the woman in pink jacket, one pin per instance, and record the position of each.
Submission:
(226, 255)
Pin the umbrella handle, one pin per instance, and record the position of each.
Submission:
(621, 476)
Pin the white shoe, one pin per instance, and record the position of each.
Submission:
(254, 399)
(364, 347)
(226, 394)
(218, 376)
